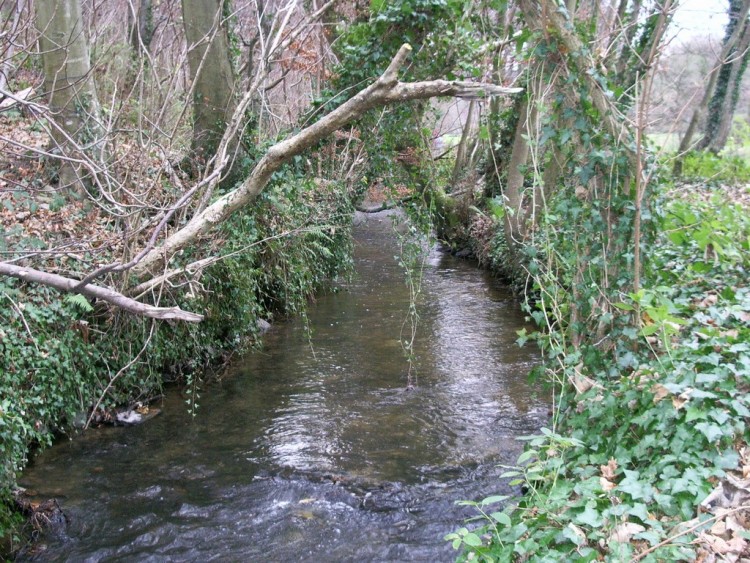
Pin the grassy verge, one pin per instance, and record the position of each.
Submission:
(645, 429)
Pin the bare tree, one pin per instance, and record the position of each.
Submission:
(724, 99)
(141, 24)
(9, 30)
(151, 265)
(731, 38)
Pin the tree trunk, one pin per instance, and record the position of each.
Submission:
(468, 133)
(513, 192)
(630, 27)
(7, 50)
(211, 70)
(730, 40)
(69, 85)
(141, 25)
(720, 131)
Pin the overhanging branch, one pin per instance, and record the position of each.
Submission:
(385, 90)
(105, 294)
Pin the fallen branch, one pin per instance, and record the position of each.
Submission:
(385, 90)
(105, 294)
(384, 206)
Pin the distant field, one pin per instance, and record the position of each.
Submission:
(667, 141)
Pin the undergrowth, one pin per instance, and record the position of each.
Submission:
(705, 166)
(644, 428)
(60, 355)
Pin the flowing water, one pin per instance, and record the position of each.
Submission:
(314, 449)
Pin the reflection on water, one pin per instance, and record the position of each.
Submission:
(313, 449)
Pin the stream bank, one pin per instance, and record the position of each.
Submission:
(313, 447)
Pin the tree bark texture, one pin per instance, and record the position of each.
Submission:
(730, 40)
(141, 25)
(68, 82)
(724, 101)
(513, 192)
(211, 70)
(545, 15)
(7, 49)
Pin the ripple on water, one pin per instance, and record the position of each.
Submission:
(313, 449)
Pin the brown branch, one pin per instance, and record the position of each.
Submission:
(105, 294)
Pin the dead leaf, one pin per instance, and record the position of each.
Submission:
(609, 470)
(679, 402)
(730, 550)
(719, 529)
(732, 492)
(581, 382)
(660, 392)
(606, 484)
(623, 532)
(708, 301)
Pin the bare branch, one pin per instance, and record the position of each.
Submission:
(105, 294)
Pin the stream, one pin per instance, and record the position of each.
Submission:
(313, 449)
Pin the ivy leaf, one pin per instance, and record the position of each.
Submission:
(712, 432)
(695, 413)
(634, 487)
(574, 534)
(590, 516)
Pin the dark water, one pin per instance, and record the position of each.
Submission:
(313, 449)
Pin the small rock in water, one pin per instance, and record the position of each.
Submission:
(132, 417)
(129, 417)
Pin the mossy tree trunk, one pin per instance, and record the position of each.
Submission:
(76, 132)
(738, 11)
(723, 102)
(141, 26)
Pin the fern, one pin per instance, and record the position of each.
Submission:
(79, 301)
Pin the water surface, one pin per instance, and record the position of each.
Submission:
(315, 449)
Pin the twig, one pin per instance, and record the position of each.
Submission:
(670, 539)
(118, 374)
(23, 319)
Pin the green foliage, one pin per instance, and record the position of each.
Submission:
(650, 383)
(444, 46)
(58, 352)
(707, 166)
(738, 143)
(49, 374)
(644, 442)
